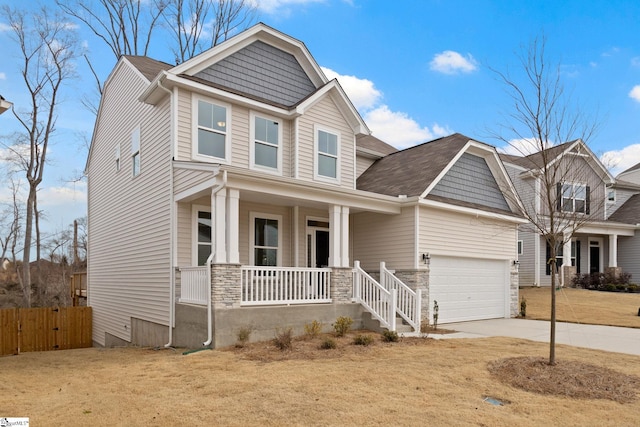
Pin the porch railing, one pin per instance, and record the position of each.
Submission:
(194, 284)
(380, 302)
(285, 285)
(408, 303)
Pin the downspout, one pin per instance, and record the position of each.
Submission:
(214, 191)
(172, 274)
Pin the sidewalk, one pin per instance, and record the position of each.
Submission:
(608, 338)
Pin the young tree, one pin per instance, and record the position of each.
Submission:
(46, 46)
(542, 116)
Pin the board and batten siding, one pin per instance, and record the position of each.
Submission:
(129, 217)
(526, 270)
(325, 113)
(465, 235)
(388, 238)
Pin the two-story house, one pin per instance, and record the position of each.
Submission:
(241, 189)
(582, 190)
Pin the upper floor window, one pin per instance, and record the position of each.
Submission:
(611, 195)
(575, 198)
(265, 150)
(327, 154)
(135, 151)
(211, 131)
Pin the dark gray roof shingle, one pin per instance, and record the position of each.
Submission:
(629, 212)
(147, 66)
(371, 143)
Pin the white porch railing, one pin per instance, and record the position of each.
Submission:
(408, 303)
(380, 302)
(285, 285)
(194, 284)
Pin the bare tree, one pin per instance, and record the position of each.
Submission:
(46, 46)
(542, 116)
(10, 223)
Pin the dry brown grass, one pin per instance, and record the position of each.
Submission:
(414, 382)
(583, 306)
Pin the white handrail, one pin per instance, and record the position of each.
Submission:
(408, 304)
(263, 285)
(380, 302)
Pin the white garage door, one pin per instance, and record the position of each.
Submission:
(468, 288)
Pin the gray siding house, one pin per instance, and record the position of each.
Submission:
(242, 189)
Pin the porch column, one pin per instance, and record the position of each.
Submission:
(218, 231)
(233, 219)
(334, 236)
(613, 250)
(345, 237)
(566, 259)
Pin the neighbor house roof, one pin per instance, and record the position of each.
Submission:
(410, 172)
(629, 212)
(631, 169)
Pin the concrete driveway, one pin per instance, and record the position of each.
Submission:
(608, 338)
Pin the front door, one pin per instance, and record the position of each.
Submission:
(317, 243)
(594, 256)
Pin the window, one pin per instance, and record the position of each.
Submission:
(135, 151)
(265, 152)
(266, 239)
(203, 241)
(211, 130)
(118, 158)
(519, 247)
(575, 198)
(575, 257)
(327, 157)
(611, 195)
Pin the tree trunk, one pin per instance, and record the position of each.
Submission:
(552, 337)
(26, 252)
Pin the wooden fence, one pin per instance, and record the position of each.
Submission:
(43, 329)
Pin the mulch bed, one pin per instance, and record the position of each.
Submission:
(566, 378)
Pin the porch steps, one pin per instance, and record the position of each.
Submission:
(372, 324)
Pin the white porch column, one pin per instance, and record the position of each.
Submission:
(344, 248)
(219, 229)
(566, 256)
(613, 250)
(233, 226)
(335, 235)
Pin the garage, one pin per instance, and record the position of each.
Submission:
(468, 288)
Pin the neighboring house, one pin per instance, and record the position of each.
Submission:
(588, 190)
(4, 105)
(238, 190)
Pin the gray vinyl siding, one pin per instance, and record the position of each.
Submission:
(184, 217)
(326, 114)
(129, 217)
(465, 235)
(526, 269)
(362, 164)
(622, 195)
(629, 256)
(388, 238)
(470, 180)
(264, 71)
(184, 125)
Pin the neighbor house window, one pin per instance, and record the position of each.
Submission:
(574, 198)
(519, 247)
(265, 151)
(327, 154)
(117, 157)
(211, 130)
(135, 151)
(266, 239)
(575, 248)
(611, 195)
(203, 236)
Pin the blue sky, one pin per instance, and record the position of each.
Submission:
(416, 70)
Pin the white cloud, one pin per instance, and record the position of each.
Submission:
(3, 76)
(280, 6)
(393, 127)
(70, 193)
(621, 160)
(635, 93)
(523, 146)
(450, 62)
(5, 27)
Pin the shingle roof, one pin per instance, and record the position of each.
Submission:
(629, 212)
(147, 66)
(371, 143)
(409, 172)
(536, 160)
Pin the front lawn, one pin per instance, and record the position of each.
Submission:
(413, 382)
(584, 306)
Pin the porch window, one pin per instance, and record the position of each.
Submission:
(266, 240)
(327, 154)
(574, 198)
(135, 151)
(210, 139)
(204, 236)
(266, 151)
(575, 257)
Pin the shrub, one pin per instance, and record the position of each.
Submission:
(435, 314)
(390, 336)
(243, 336)
(609, 287)
(632, 288)
(283, 339)
(328, 344)
(313, 329)
(342, 325)
(621, 287)
(363, 340)
(523, 307)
